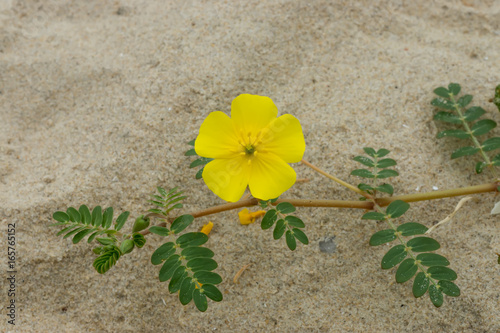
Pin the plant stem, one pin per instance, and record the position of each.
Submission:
(490, 187)
(335, 179)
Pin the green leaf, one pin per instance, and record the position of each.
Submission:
(442, 273)
(386, 188)
(449, 288)
(199, 174)
(181, 223)
(81, 234)
(139, 240)
(464, 100)
(443, 104)
(200, 300)
(432, 259)
(162, 253)
(202, 264)
(370, 151)
(447, 117)
(197, 252)
(480, 166)
(365, 161)
(394, 256)
(61, 216)
(212, 292)
(107, 218)
(491, 144)
(285, 208)
(191, 143)
(456, 133)
(106, 241)
(496, 100)
(162, 191)
(74, 215)
(300, 236)
(190, 152)
(362, 173)
(436, 296)
(373, 216)
(397, 208)
(442, 92)
(386, 173)
(192, 239)
(406, 270)
(74, 231)
(207, 277)
(169, 267)
(454, 88)
(294, 221)
(66, 229)
(423, 244)
(412, 228)
(268, 219)
(91, 238)
(386, 162)
(177, 278)
(120, 221)
(162, 231)
(420, 285)
(464, 151)
(382, 152)
(279, 230)
(483, 126)
(290, 240)
(200, 161)
(107, 260)
(496, 160)
(473, 113)
(186, 291)
(365, 187)
(85, 213)
(382, 237)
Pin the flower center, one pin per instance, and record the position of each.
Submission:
(249, 149)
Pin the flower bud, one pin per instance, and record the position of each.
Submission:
(140, 223)
(127, 246)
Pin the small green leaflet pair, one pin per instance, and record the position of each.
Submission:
(434, 276)
(457, 113)
(186, 264)
(287, 225)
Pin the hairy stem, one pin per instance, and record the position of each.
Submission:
(490, 187)
(335, 179)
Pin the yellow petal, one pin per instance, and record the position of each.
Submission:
(251, 113)
(271, 176)
(227, 178)
(283, 137)
(207, 228)
(217, 137)
(244, 216)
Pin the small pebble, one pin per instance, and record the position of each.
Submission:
(328, 245)
(48, 179)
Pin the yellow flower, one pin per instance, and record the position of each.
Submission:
(246, 217)
(251, 148)
(207, 228)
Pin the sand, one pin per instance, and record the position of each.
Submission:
(97, 101)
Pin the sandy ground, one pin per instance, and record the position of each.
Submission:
(97, 100)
